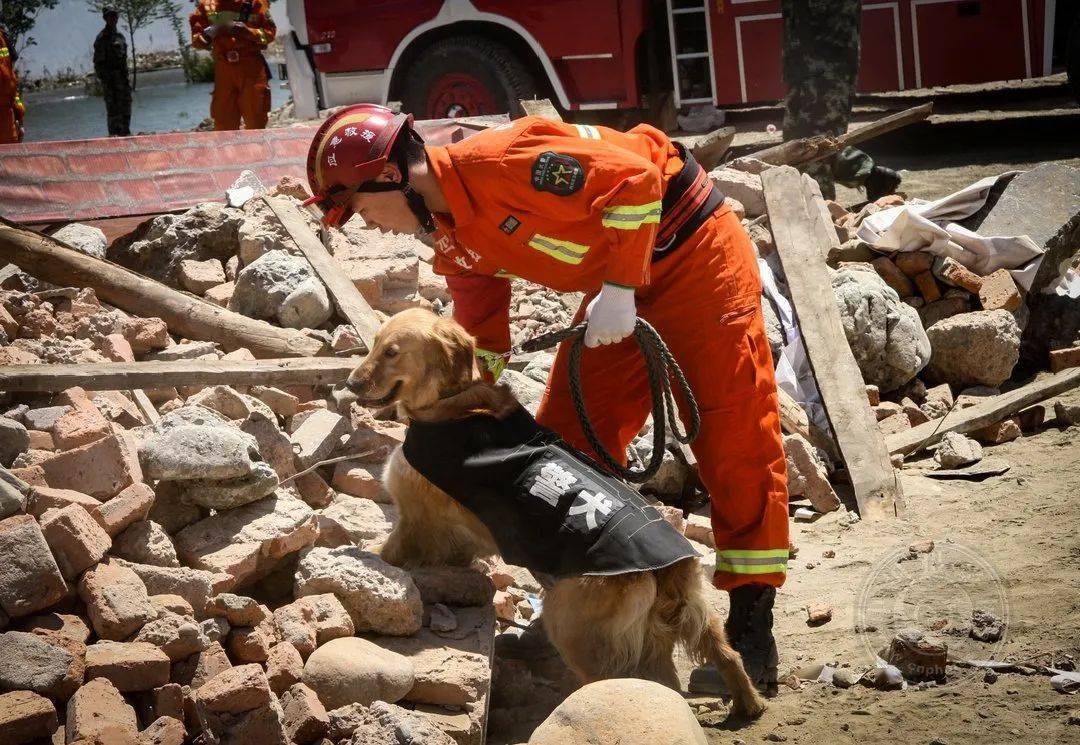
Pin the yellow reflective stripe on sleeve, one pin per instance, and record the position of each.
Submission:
(4, 52)
(631, 217)
(506, 275)
(752, 561)
(566, 251)
(495, 363)
(587, 131)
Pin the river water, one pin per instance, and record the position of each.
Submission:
(163, 102)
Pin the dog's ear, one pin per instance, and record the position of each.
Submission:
(458, 349)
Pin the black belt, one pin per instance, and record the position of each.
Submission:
(690, 198)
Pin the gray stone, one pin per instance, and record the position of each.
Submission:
(355, 671)
(146, 542)
(229, 494)
(884, 333)
(44, 419)
(741, 186)
(170, 511)
(979, 348)
(13, 494)
(261, 232)
(14, 440)
(85, 239)
(956, 450)
(246, 540)
(198, 452)
(318, 436)
(187, 351)
(30, 579)
(355, 521)
(843, 678)
(155, 249)
(525, 389)
(539, 367)
(264, 286)
(384, 724)
(177, 636)
(379, 597)
(191, 414)
(33, 663)
(274, 445)
(1043, 204)
(194, 585)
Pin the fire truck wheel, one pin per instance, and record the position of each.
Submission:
(1072, 57)
(465, 76)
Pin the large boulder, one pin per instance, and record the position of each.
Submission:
(228, 494)
(885, 334)
(193, 451)
(351, 670)
(979, 348)
(261, 231)
(156, 248)
(284, 288)
(379, 597)
(627, 711)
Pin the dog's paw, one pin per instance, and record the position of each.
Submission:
(748, 710)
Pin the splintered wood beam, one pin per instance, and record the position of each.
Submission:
(350, 303)
(540, 107)
(802, 238)
(809, 149)
(988, 411)
(124, 376)
(51, 261)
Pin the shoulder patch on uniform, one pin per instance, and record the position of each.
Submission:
(559, 174)
(510, 224)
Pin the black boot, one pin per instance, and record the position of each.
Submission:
(749, 629)
(881, 182)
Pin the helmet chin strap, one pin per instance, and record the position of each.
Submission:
(412, 197)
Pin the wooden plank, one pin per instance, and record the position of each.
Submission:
(988, 411)
(146, 406)
(710, 148)
(802, 239)
(540, 107)
(809, 149)
(124, 376)
(51, 261)
(350, 303)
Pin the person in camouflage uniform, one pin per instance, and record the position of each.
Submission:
(821, 63)
(111, 66)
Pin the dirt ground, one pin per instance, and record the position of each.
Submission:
(1008, 545)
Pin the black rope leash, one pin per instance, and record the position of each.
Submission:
(661, 367)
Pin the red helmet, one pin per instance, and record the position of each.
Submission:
(350, 150)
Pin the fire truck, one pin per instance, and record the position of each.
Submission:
(447, 58)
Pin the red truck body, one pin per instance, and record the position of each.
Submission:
(604, 54)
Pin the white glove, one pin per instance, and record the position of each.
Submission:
(611, 316)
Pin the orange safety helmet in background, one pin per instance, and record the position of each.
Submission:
(349, 151)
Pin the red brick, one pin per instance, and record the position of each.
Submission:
(74, 194)
(76, 540)
(101, 469)
(30, 580)
(893, 277)
(129, 506)
(95, 710)
(956, 274)
(34, 167)
(186, 185)
(1062, 359)
(138, 190)
(999, 292)
(928, 286)
(80, 426)
(26, 717)
(46, 498)
(98, 164)
(132, 666)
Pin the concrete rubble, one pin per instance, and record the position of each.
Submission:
(172, 581)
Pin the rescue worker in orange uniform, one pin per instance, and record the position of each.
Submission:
(236, 31)
(631, 220)
(11, 106)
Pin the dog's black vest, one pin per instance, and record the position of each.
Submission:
(548, 508)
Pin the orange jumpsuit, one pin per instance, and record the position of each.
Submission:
(573, 206)
(11, 106)
(241, 77)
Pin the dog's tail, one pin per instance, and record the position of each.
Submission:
(682, 607)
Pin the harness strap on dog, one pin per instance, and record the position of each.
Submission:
(688, 201)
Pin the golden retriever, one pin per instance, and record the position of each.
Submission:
(603, 626)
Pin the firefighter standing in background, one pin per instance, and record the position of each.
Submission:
(236, 32)
(111, 66)
(11, 106)
(821, 63)
(631, 220)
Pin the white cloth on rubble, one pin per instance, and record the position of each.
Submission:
(930, 226)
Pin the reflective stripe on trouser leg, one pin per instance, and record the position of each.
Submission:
(750, 561)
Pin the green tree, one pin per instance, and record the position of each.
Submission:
(135, 14)
(17, 17)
